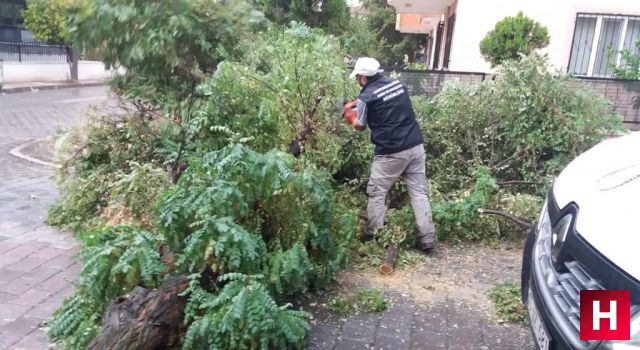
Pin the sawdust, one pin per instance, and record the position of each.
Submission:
(458, 274)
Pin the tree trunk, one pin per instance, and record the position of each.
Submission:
(296, 145)
(389, 262)
(72, 59)
(145, 319)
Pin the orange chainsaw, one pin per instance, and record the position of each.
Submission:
(348, 110)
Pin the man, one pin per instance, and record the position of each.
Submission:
(384, 106)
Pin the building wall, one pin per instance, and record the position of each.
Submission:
(431, 83)
(623, 95)
(475, 19)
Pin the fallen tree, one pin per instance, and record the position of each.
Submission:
(145, 319)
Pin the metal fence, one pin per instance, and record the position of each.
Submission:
(431, 82)
(32, 51)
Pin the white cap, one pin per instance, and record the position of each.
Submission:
(366, 66)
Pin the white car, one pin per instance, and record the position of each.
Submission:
(587, 237)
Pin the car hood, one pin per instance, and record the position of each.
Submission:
(605, 184)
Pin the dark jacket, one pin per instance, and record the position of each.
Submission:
(390, 115)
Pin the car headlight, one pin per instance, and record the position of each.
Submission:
(544, 225)
(556, 235)
(633, 344)
(559, 235)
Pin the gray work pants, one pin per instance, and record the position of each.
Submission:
(410, 166)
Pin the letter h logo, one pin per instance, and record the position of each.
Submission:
(605, 315)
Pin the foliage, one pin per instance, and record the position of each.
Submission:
(220, 218)
(629, 67)
(389, 45)
(113, 162)
(83, 197)
(113, 143)
(166, 48)
(199, 222)
(370, 300)
(512, 38)
(360, 40)
(340, 304)
(363, 300)
(417, 66)
(521, 205)
(48, 19)
(330, 15)
(242, 315)
(519, 131)
(270, 98)
(292, 249)
(524, 126)
(370, 255)
(116, 259)
(398, 227)
(135, 193)
(459, 218)
(508, 304)
(253, 226)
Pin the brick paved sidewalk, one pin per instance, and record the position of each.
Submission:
(446, 325)
(36, 269)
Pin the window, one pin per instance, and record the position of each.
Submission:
(598, 40)
(10, 12)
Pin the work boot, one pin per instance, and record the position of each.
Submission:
(366, 236)
(425, 247)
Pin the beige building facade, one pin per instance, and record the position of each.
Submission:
(582, 32)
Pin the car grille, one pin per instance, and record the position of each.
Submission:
(562, 290)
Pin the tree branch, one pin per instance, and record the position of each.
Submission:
(295, 147)
(517, 182)
(524, 223)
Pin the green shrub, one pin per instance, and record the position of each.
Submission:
(136, 192)
(49, 19)
(525, 126)
(519, 130)
(512, 38)
(629, 67)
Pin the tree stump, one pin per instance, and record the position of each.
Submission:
(389, 262)
(145, 319)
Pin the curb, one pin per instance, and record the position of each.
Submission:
(17, 152)
(16, 90)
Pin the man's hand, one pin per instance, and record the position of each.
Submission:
(350, 114)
